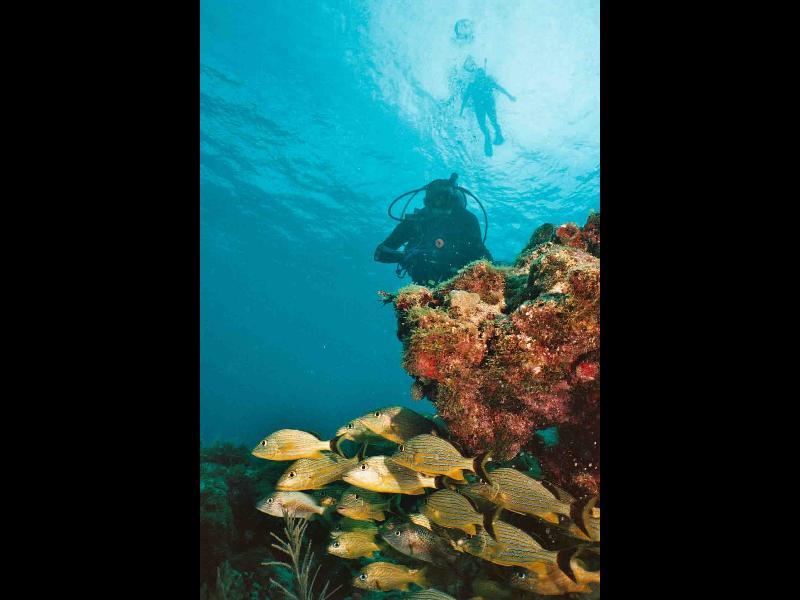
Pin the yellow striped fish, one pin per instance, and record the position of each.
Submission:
(315, 473)
(346, 524)
(353, 544)
(383, 576)
(450, 509)
(292, 444)
(397, 423)
(511, 547)
(363, 505)
(433, 455)
(380, 474)
(295, 504)
(519, 493)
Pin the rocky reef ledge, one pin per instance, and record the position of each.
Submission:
(509, 355)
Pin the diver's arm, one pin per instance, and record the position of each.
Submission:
(503, 90)
(387, 251)
(385, 254)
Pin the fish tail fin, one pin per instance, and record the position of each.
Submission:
(421, 577)
(395, 506)
(479, 465)
(362, 452)
(335, 445)
(564, 561)
(580, 510)
(441, 482)
(489, 519)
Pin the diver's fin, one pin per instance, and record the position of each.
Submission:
(336, 445)
(564, 561)
(479, 464)
(580, 510)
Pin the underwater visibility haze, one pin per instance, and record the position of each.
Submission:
(314, 116)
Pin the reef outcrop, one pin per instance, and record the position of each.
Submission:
(506, 351)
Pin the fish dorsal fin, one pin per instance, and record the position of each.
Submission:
(314, 433)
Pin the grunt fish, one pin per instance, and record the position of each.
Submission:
(316, 473)
(519, 493)
(364, 505)
(353, 544)
(293, 444)
(397, 423)
(546, 579)
(383, 576)
(346, 524)
(380, 474)
(295, 504)
(433, 455)
(512, 547)
(417, 542)
(450, 509)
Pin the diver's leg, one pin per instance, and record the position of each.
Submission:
(491, 110)
(480, 114)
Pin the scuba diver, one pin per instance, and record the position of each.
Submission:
(481, 91)
(439, 239)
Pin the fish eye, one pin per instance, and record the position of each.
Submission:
(377, 413)
(292, 474)
(263, 442)
(356, 496)
(521, 575)
(362, 577)
(336, 544)
(363, 467)
(271, 500)
(350, 426)
(402, 447)
(397, 533)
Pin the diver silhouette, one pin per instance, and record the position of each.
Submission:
(439, 239)
(481, 91)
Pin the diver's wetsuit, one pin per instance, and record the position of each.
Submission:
(436, 246)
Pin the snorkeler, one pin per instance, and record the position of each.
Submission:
(439, 239)
(481, 91)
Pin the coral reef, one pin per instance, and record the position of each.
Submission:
(505, 351)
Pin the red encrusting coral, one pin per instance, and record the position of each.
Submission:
(504, 351)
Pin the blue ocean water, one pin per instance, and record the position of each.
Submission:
(313, 116)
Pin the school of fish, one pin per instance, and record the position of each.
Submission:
(417, 499)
